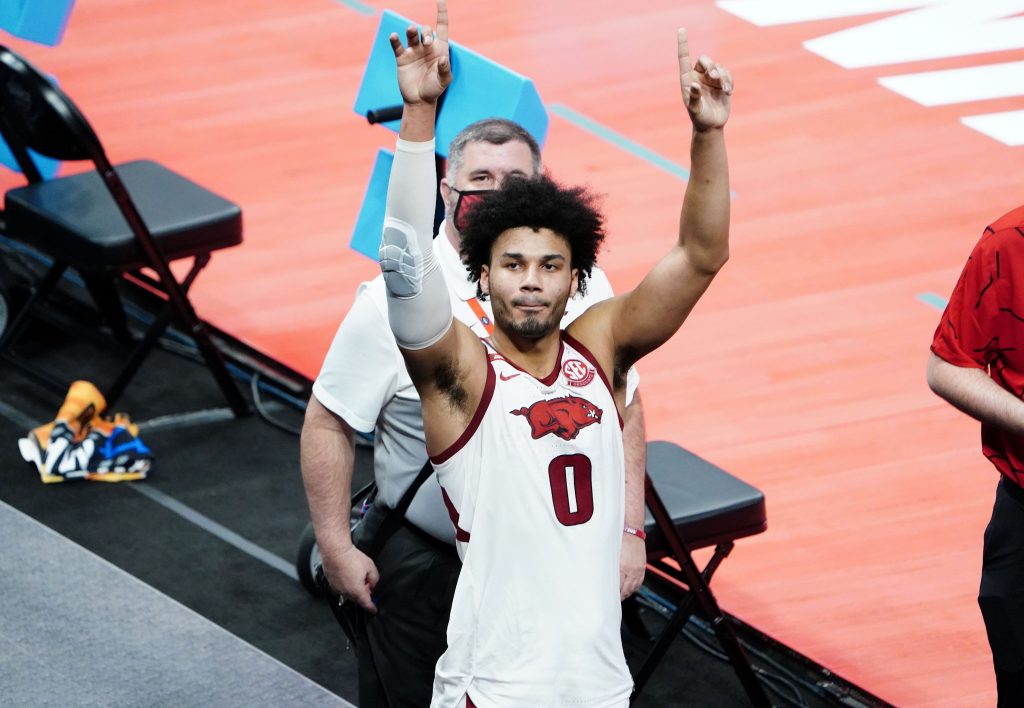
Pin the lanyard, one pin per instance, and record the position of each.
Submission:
(478, 310)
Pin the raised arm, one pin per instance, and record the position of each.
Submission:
(419, 310)
(704, 221)
(645, 318)
(436, 348)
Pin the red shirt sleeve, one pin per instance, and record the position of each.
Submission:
(965, 335)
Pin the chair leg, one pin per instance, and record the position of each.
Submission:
(180, 308)
(195, 328)
(700, 593)
(50, 279)
(108, 301)
(211, 356)
(20, 322)
(138, 355)
(675, 625)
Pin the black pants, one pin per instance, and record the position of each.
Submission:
(1001, 597)
(398, 648)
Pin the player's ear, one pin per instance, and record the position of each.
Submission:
(485, 280)
(575, 284)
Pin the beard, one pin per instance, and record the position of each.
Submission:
(531, 326)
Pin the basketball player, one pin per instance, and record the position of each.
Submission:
(524, 430)
(404, 581)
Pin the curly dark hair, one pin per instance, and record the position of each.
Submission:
(535, 202)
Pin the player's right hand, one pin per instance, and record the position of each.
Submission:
(424, 66)
(353, 576)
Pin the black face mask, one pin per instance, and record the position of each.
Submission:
(465, 203)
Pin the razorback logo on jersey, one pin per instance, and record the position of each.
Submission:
(564, 416)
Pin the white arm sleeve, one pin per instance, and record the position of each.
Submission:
(419, 309)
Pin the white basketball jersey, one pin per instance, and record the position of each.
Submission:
(535, 489)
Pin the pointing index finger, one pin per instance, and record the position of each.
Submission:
(442, 20)
(684, 51)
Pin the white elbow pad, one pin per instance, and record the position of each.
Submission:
(420, 320)
(419, 309)
(401, 260)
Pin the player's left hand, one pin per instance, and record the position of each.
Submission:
(706, 87)
(632, 565)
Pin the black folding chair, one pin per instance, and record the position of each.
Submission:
(107, 222)
(691, 503)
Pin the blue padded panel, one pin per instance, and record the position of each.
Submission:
(366, 235)
(47, 166)
(41, 21)
(480, 89)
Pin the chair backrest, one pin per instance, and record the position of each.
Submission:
(35, 114)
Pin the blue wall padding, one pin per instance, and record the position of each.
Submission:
(47, 166)
(366, 235)
(480, 88)
(41, 21)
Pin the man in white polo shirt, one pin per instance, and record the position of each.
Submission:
(406, 588)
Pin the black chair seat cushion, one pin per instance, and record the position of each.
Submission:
(75, 219)
(707, 504)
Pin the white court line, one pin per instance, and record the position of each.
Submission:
(17, 417)
(973, 83)
(1007, 127)
(222, 532)
(183, 420)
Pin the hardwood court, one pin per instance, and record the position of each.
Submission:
(802, 371)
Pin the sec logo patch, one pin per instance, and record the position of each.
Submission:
(577, 373)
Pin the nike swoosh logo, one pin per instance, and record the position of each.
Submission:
(507, 378)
